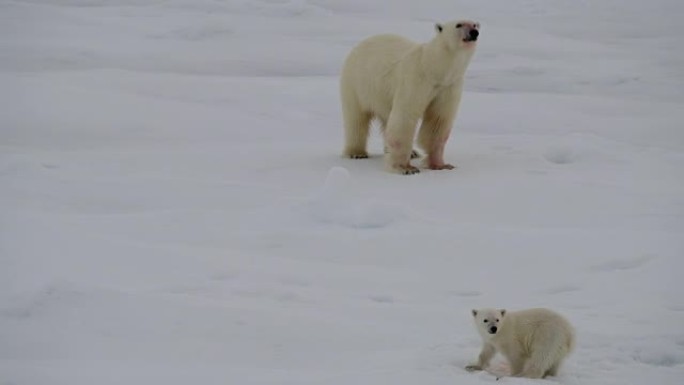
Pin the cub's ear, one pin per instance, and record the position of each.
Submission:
(503, 312)
(474, 313)
(438, 27)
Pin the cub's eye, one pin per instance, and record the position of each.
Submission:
(459, 25)
(485, 321)
(497, 320)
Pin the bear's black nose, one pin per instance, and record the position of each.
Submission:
(474, 34)
(492, 329)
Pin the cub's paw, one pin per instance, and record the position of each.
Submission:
(473, 368)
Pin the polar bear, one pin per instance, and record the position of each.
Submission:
(534, 341)
(400, 82)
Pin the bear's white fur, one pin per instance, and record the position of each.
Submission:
(534, 341)
(400, 82)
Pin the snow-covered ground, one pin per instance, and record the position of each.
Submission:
(174, 208)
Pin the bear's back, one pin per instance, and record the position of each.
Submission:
(379, 53)
(370, 70)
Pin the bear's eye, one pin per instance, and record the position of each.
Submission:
(486, 320)
(497, 320)
(459, 25)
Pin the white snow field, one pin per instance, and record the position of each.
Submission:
(174, 208)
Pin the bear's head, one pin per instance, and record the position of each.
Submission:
(458, 33)
(488, 321)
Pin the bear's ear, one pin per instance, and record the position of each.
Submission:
(438, 27)
(474, 313)
(503, 312)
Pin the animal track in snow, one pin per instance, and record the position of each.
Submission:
(225, 276)
(560, 155)
(471, 293)
(664, 357)
(296, 282)
(623, 264)
(267, 294)
(561, 289)
(382, 298)
(30, 304)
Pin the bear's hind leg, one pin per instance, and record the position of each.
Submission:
(553, 370)
(543, 357)
(532, 371)
(356, 129)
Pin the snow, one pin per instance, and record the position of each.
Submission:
(174, 206)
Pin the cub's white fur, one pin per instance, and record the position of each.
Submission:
(534, 341)
(400, 82)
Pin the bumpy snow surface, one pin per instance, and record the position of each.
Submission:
(174, 208)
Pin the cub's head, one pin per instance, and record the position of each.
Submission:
(459, 33)
(488, 321)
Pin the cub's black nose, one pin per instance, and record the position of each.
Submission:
(492, 329)
(474, 34)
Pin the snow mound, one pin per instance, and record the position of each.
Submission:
(335, 203)
(661, 352)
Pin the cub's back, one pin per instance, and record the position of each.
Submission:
(531, 320)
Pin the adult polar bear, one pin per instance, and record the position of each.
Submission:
(399, 82)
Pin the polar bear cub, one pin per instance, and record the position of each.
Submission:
(399, 82)
(534, 341)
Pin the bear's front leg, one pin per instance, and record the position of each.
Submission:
(436, 127)
(401, 129)
(414, 154)
(483, 359)
(408, 105)
(435, 160)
